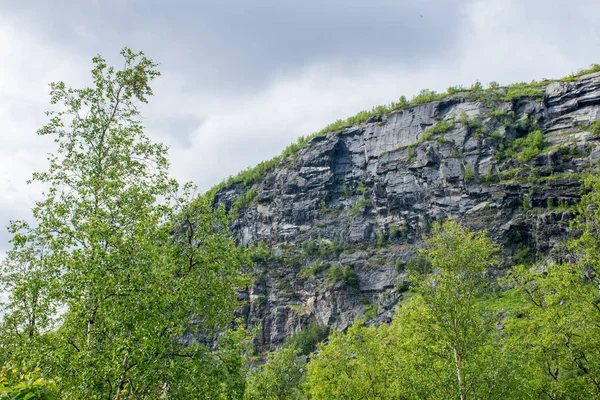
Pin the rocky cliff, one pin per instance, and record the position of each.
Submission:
(334, 224)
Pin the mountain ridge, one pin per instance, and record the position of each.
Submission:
(251, 174)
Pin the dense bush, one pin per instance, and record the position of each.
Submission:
(524, 149)
(306, 339)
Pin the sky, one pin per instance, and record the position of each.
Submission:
(242, 79)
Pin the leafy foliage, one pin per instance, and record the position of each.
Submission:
(351, 366)
(427, 96)
(313, 269)
(321, 247)
(519, 90)
(381, 237)
(524, 149)
(360, 204)
(437, 129)
(26, 386)
(244, 201)
(595, 127)
(121, 261)
(439, 345)
(334, 275)
(279, 378)
(306, 340)
(468, 172)
(558, 336)
(350, 277)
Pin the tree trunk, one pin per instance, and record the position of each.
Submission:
(457, 362)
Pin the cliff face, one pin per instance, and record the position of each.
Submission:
(339, 220)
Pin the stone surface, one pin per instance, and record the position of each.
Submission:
(376, 188)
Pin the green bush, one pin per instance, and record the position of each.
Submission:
(28, 385)
(281, 377)
(427, 96)
(361, 188)
(527, 124)
(334, 275)
(439, 128)
(418, 264)
(345, 192)
(473, 124)
(591, 69)
(307, 339)
(381, 237)
(524, 149)
(533, 145)
(526, 202)
(285, 288)
(308, 247)
(313, 269)
(398, 231)
(469, 173)
(366, 203)
(244, 201)
(350, 277)
(455, 89)
(521, 255)
(498, 113)
(321, 247)
(496, 135)
(595, 127)
(476, 87)
(259, 252)
(370, 312)
(411, 153)
(399, 264)
(518, 90)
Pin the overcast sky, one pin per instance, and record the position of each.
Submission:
(244, 78)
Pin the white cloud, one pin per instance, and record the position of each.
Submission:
(28, 65)
(510, 40)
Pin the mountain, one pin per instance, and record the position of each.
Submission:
(334, 221)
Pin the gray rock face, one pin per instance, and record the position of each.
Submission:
(374, 189)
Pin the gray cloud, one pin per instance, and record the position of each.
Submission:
(239, 45)
(180, 127)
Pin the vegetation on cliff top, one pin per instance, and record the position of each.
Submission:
(493, 92)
